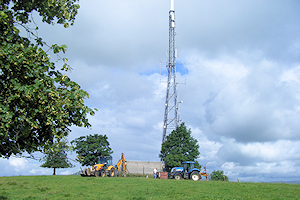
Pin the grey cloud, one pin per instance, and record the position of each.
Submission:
(114, 33)
(231, 153)
(227, 26)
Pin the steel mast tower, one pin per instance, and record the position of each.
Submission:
(171, 118)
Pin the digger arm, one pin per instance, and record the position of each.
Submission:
(121, 161)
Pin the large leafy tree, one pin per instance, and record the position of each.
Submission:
(90, 147)
(218, 176)
(37, 101)
(178, 147)
(56, 157)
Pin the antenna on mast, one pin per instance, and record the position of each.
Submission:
(172, 5)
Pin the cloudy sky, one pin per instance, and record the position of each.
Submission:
(242, 93)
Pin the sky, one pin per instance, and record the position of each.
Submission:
(241, 97)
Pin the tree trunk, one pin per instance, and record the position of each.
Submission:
(54, 171)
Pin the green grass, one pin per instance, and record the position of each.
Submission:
(76, 187)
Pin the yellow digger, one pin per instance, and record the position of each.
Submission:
(104, 167)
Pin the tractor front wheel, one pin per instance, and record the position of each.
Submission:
(97, 173)
(102, 173)
(195, 176)
(177, 176)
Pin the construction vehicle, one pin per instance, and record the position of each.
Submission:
(186, 171)
(104, 167)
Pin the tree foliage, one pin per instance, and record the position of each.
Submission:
(37, 101)
(218, 176)
(179, 146)
(56, 157)
(90, 147)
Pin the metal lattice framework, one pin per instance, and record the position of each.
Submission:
(171, 118)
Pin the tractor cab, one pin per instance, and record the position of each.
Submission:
(187, 166)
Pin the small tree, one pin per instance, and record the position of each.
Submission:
(218, 176)
(56, 157)
(90, 147)
(179, 146)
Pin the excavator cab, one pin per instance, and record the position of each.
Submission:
(105, 161)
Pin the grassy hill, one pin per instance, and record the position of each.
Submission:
(76, 187)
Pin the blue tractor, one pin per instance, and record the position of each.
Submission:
(186, 171)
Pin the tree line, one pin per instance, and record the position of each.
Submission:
(179, 146)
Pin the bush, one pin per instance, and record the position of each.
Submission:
(218, 176)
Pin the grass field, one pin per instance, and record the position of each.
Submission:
(77, 187)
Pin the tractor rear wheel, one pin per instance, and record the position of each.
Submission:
(195, 176)
(177, 176)
(112, 172)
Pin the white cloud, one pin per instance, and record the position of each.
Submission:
(40, 171)
(282, 150)
(18, 163)
(262, 172)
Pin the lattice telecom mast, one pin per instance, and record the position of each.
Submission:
(171, 120)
